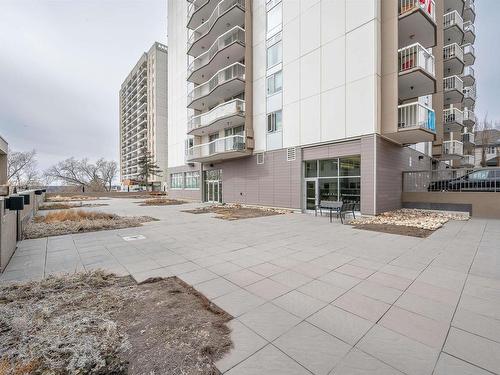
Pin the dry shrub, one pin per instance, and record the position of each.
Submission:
(71, 198)
(78, 215)
(161, 202)
(236, 211)
(56, 206)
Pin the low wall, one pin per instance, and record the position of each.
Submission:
(104, 194)
(11, 225)
(479, 204)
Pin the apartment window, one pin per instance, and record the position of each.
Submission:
(176, 181)
(192, 180)
(274, 121)
(274, 83)
(274, 18)
(274, 54)
(188, 144)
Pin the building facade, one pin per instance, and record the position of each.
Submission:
(289, 102)
(143, 117)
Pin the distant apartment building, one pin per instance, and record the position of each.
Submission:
(487, 148)
(290, 102)
(143, 117)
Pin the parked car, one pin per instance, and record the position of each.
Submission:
(476, 180)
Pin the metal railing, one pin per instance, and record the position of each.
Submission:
(469, 26)
(470, 92)
(453, 115)
(410, 5)
(469, 115)
(217, 146)
(470, 4)
(453, 50)
(416, 115)
(236, 70)
(453, 83)
(453, 18)
(468, 71)
(236, 34)
(468, 137)
(453, 147)
(455, 180)
(416, 56)
(194, 6)
(469, 48)
(206, 26)
(468, 160)
(231, 108)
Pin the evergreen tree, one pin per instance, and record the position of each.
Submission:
(148, 167)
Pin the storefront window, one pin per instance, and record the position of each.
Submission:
(328, 168)
(311, 168)
(350, 166)
(328, 189)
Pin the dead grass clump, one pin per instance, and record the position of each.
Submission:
(96, 323)
(237, 211)
(66, 206)
(71, 198)
(161, 202)
(78, 221)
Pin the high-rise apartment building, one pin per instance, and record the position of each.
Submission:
(289, 102)
(143, 117)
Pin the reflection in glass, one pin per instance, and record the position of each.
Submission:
(350, 190)
(328, 168)
(328, 189)
(350, 166)
(310, 195)
(311, 168)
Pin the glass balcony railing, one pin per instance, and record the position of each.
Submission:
(236, 70)
(217, 146)
(410, 5)
(416, 115)
(416, 56)
(205, 27)
(469, 26)
(468, 71)
(232, 108)
(453, 148)
(453, 115)
(236, 34)
(453, 83)
(469, 115)
(453, 18)
(453, 51)
(468, 48)
(194, 6)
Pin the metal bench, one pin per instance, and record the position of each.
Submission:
(347, 208)
(330, 206)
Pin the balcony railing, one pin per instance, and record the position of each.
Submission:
(470, 92)
(233, 71)
(469, 26)
(416, 56)
(468, 48)
(453, 18)
(217, 146)
(453, 148)
(231, 108)
(468, 137)
(410, 5)
(468, 160)
(453, 50)
(417, 116)
(453, 83)
(236, 34)
(194, 6)
(205, 27)
(453, 115)
(468, 71)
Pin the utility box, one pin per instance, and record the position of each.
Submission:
(15, 203)
(26, 198)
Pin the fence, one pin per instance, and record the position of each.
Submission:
(453, 180)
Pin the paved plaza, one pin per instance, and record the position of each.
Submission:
(309, 296)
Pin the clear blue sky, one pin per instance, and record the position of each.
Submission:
(62, 63)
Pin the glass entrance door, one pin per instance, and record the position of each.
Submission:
(311, 195)
(213, 186)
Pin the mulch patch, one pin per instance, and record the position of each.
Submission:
(396, 229)
(235, 212)
(160, 202)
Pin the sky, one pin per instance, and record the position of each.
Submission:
(62, 63)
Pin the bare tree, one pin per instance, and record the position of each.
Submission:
(108, 171)
(22, 168)
(485, 131)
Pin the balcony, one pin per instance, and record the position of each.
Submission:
(416, 72)
(199, 11)
(468, 76)
(469, 32)
(453, 120)
(453, 88)
(416, 123)
(468, 138)
(469, 54)
(226, 15)
(225, 115)
(417, 22)
(470, 11)
(452, 150)
(470, 96)
(226, 83)
(469, 118)
(468, 161)
(219, 149)
(453, 28)
(228, 49)
(453, 59)
(450, 5)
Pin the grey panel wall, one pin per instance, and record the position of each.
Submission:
(190, 194)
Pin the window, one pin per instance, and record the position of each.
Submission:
(274, 54)
(274, 18)
(479, 175)
(274, 121)
(274, 83)
(188, 144)
(192, 180)
(176, 181)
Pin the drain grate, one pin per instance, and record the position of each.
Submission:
(134, 238)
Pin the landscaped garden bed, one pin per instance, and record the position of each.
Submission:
(70, 198)
(97, 323)
(66, 206)
(57, 223)
(237, 211)
(161, 202)
(408, 222)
